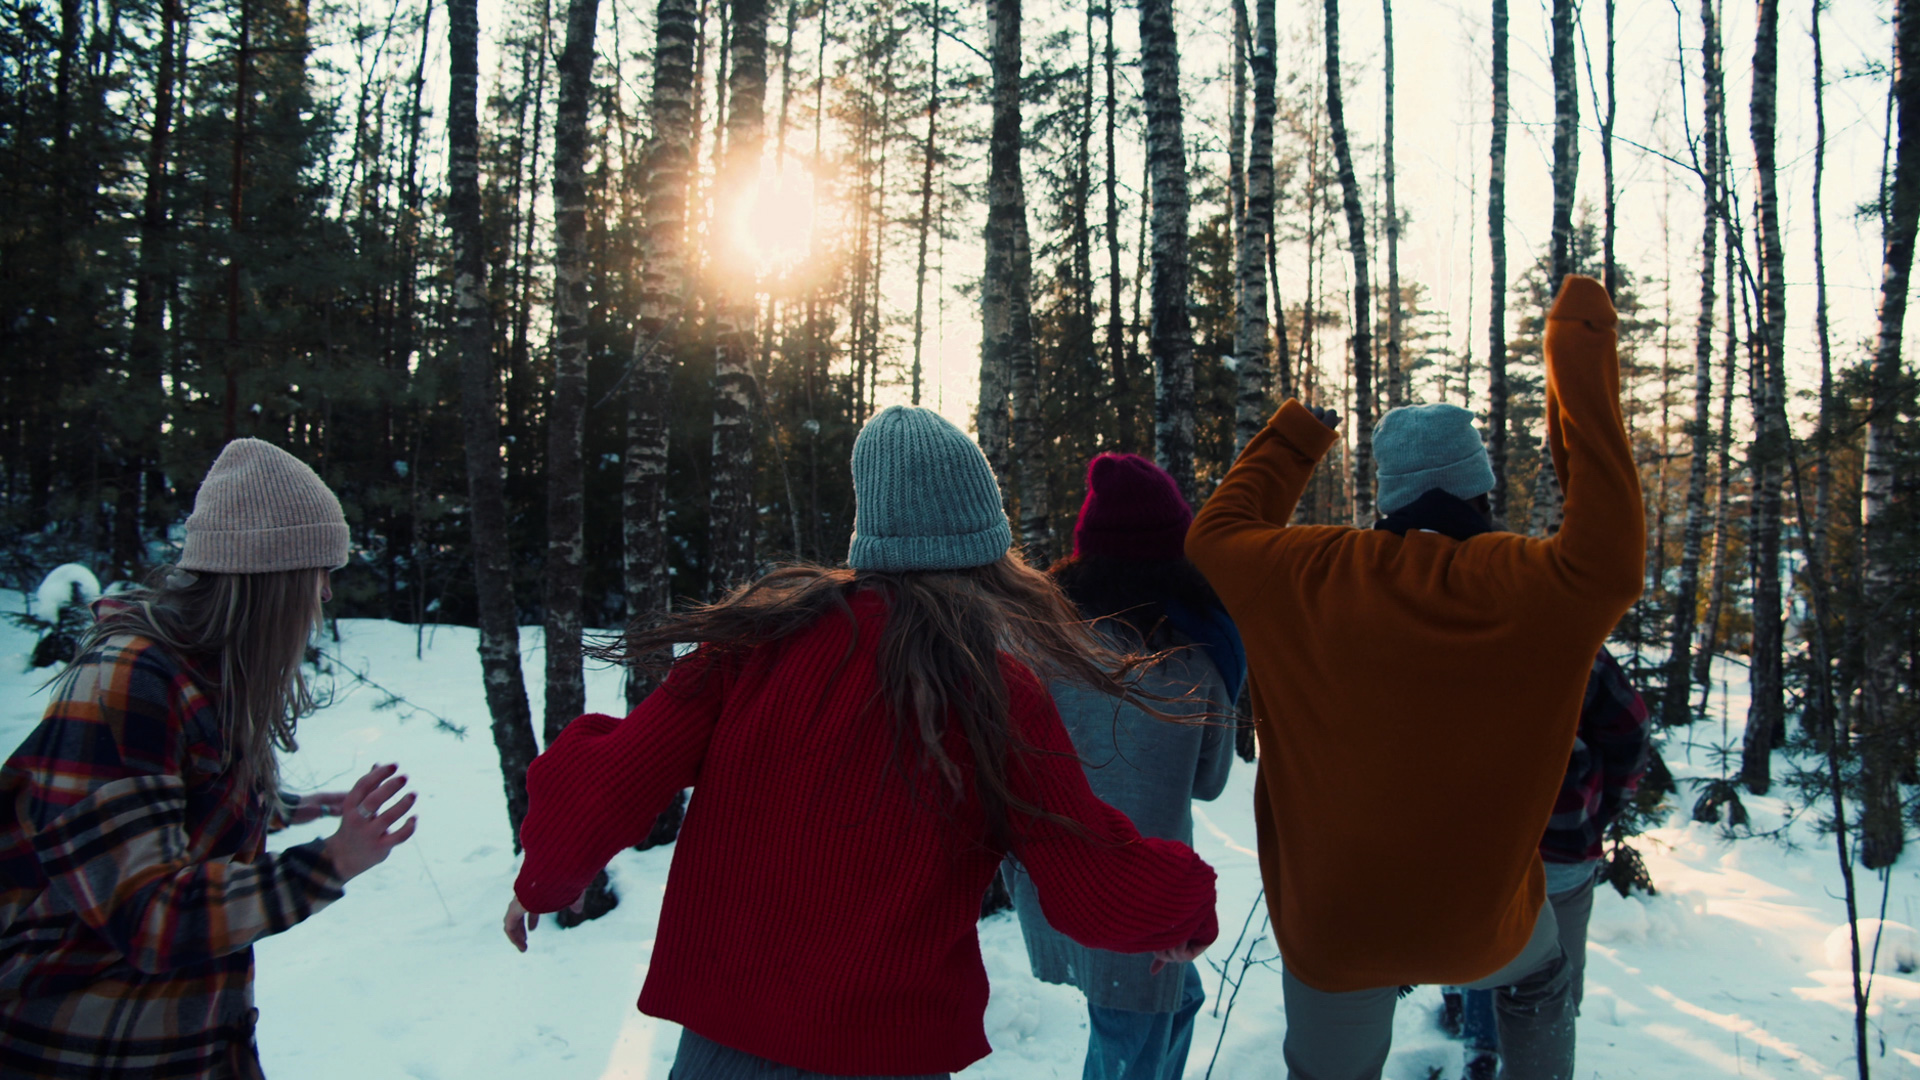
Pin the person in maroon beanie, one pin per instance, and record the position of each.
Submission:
(1129, 571)
(868, 744)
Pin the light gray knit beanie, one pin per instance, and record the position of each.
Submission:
(260, 510)
(924, 497)
(1417, 448)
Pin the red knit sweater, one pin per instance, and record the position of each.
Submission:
(820, 912)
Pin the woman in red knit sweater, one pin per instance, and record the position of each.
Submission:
(867, 744)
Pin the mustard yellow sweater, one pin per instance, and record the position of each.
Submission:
(1416, 697)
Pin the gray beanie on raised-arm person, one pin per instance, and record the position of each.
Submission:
(924, 497)
(1417, 448)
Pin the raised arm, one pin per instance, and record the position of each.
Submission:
(1235, 535)
(602, 783)
(1601, 545)
(1103, 885)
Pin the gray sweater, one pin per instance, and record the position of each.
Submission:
(1150, 770)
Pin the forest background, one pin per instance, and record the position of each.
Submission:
(579, 304)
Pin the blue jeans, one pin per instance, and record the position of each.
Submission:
(1140, 1045)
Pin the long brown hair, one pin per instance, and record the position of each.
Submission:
(938, 659)
(250, 632)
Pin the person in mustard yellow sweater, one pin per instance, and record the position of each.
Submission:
(1393, 668)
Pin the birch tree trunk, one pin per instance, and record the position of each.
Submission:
(926, 198)
(663, 303)
(1497, 262)
(566, 695)
(1253, 404)
(1882, 749)
(1676, 704)
(1396, 375)
(1170, 330)
(732, 518)
(507, 705)
(1815, 717)
(1006, 327)
(1610, 273)
(1766, 714)
(1029, 452)
(1723, 491)
(1566, 139)
(1237, 137)
(1116, 329)
(1362, 293)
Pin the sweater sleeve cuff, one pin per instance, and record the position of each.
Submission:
(323, 882)
(1583, 299)
(1298, 427)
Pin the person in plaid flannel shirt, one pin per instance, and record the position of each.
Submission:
(133, 872)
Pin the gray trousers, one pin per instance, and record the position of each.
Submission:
(1347, 1036)
(700, 1058)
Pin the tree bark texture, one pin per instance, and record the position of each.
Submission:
(1029, 449)
(1237, 134)
(1766, 714)
(1396, 375)
(664, 296)
(566, 695)
(926, 199)
(1723, 443)
(1170, 331)
(1497, 263)
(512, 717)
(1882, 751)
(1566, 139)
(1253, 403)
(1007, 328)
(1116, 329)
(1676, 704)
(1362, 293)
(1818, 719)
(732, 518)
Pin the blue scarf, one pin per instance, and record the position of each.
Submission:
(1213, 631)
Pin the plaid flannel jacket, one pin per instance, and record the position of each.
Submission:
(1609, 757)
(133, 879)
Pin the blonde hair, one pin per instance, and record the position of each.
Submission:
(251, 631)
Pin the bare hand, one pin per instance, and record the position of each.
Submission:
(317, 805)
(366, 834)
(520, 922)
(1329, 417)
(1184, 954)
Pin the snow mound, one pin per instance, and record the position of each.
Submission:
(65, 584)
(1899, 947)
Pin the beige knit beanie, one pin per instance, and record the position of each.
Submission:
(260, 510)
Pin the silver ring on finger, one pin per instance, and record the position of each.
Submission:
(364, 812)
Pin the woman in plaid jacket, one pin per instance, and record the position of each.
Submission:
(133, 872)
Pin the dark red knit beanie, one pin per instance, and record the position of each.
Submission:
(1133, 511)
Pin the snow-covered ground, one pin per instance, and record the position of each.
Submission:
(1724, 973)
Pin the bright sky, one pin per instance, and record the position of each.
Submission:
(1442, 130)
